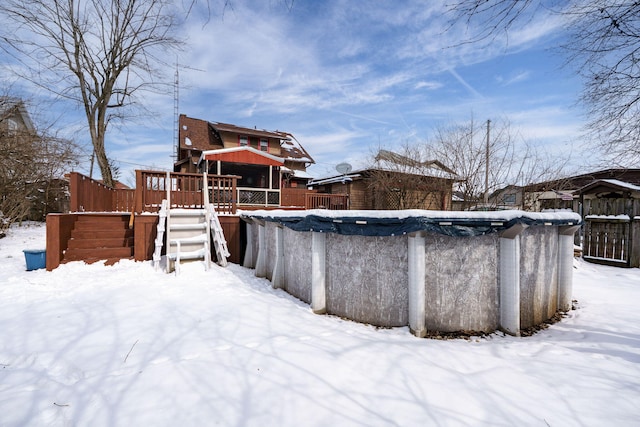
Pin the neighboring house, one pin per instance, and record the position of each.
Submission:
(32, 166)
(14, 118)
(563, 193)
(396, 182)
(509, 197)
(265, 161)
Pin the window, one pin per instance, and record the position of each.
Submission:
(509, 199)
(243, 141)
(264, 144)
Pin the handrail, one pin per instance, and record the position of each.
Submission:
(184, 190)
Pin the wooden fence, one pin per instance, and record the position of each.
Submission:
(327, 201)
(607, 240)
(294, 196)
(89, 195)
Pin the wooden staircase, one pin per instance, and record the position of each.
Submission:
(187, 237)
(189, 234)
(100, 237)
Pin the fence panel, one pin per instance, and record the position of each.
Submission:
(607, 241)
(327, 201)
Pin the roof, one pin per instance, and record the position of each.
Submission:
(610, 184)
(197, 134)
(10, 106)
(414, 166)
(362, 173)
(296, 173)
(294, 150)
(242, 155)
(226, 127)
(578, 181)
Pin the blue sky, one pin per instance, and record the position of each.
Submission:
(348, 76)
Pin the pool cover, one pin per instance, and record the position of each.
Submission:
(453, 225)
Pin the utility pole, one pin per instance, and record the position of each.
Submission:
(486, 169)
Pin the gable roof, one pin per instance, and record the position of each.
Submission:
(578, 181)
(14, 107)
(609, 185)
(197, 134)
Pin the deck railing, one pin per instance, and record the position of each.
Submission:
(327, 201)
(89, 195)
(185, 190)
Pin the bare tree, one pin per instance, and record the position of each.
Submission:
(32, 167)
(603, 44)
(512, 161)
(99, 53)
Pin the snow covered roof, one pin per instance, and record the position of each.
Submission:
(293, 151)
(359, 174)
(335, 179)
(296, 173)
(610, 183)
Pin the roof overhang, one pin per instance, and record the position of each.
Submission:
(247, 155)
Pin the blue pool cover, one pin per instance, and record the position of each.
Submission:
(442, 222)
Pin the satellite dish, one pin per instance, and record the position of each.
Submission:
(343, 168)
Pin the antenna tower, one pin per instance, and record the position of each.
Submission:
(176, 112)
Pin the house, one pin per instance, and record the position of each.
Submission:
(28, 190)
(265, 161)
(508, 197)
(563, 193)
(395, 182)
(14, 118)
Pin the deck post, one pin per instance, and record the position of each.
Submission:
(509, 276)
(416, 277)
(261, 262)
(318, 273)
(565, 266)
(277, 278)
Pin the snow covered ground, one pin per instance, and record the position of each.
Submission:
(89, 345)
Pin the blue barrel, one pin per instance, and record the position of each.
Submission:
(36, 258)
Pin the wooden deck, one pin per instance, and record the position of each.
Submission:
(84, 233)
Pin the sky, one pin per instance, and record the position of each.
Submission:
(127, 345)
(348, 77)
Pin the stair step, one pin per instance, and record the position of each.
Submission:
(101, 234)
(200, 238)
(188, 227)
(119, 217)
(100, 243)
(107, 261)
(75, 254)
(188, 255)
(186, 212)
(99, 225)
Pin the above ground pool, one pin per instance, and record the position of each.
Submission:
(434, 271)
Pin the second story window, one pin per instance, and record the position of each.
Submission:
(264, 144)
(243, 141)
